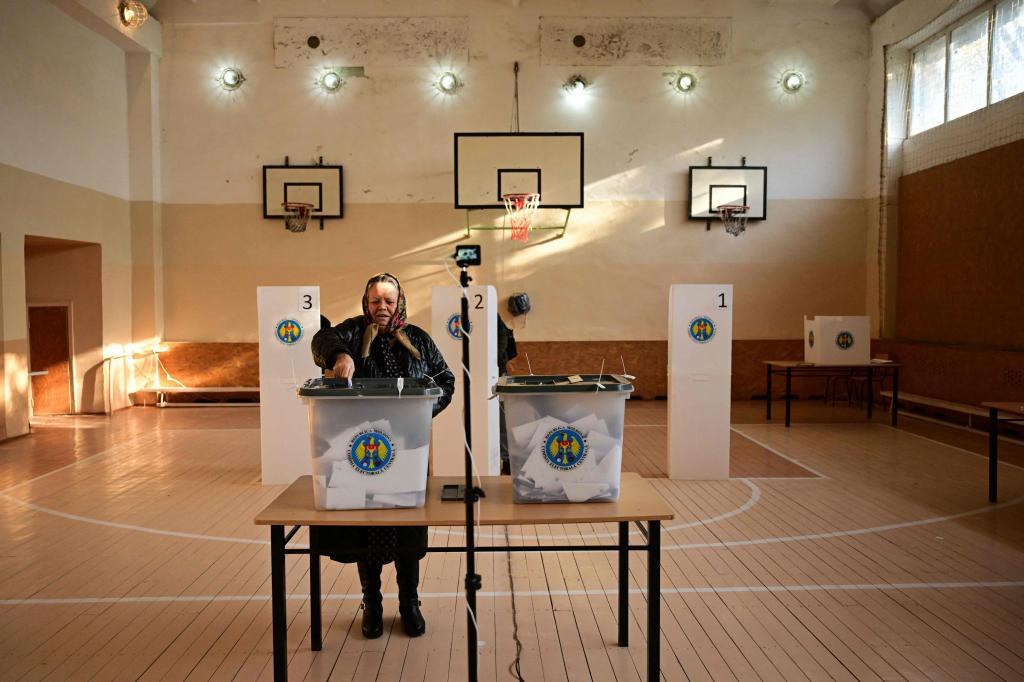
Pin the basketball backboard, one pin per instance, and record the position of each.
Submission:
(714, 186)
(320, 186)
(488, 165)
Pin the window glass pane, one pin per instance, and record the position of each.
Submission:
(968, 67)
(1008, 50)
(928, 86)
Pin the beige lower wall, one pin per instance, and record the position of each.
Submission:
(40, 206)
(607, 279)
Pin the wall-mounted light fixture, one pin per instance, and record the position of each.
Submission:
(132, 13)
(684, 82)
(791, 82)
(230, 78)
(330, 81)
(448, 83)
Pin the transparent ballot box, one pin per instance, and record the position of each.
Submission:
(565, 435)
(370, 442)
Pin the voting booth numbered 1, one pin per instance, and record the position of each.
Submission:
(448, 443)
(837, 340)
(699, 380)
(288, 319)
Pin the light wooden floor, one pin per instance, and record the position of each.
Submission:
(848, 550)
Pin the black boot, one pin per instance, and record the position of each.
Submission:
(373, 609)
(407, 570)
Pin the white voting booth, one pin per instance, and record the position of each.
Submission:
(448, 443)
(699, 380)
(837, 340)
(288, 319)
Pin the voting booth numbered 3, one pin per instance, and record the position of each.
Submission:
(446, 330)
(288, 319)
(699, 380)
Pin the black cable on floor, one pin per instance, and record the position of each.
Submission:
(513, 668)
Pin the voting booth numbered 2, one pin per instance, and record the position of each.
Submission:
(837, 340)
(449, 445)
(699, 380)
(288, 319)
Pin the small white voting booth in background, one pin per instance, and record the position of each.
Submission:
(699, 380)
(288, 319)
(448, 443)
(837, 340)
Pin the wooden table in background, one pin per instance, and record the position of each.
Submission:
(791, 368)
(1007, 412)
(638, 501)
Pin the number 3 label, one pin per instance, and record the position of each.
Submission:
(309, 298)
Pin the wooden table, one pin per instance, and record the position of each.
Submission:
(1007, 412)
(638, 501)
(791, 368)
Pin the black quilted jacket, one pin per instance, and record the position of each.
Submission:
(347, 337)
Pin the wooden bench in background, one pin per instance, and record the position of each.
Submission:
(223, 393)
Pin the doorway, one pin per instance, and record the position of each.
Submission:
(49, 351)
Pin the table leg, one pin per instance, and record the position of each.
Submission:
(789, 391)
(895, 394)
(623, 583)
(653, 600)
(768, 393)
(277, 600)
(315, 618)
(871, 390)
(993, 454)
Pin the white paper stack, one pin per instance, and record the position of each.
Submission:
(338, 485)
(596, 477)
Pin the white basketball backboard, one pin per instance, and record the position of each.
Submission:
(488, 165)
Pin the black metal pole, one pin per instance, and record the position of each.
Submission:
(279, 623)
(993, 454)
(473, 582)
(623, 583)
(654, 601)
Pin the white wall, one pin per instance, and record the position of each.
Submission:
(64, 103)
(393, 133)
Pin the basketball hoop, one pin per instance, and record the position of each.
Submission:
(296, 215)
(520, 209)
(734, 217)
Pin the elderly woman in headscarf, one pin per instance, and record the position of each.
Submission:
(382, 343)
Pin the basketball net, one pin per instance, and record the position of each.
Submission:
(520, 209)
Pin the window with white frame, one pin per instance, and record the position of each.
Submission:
(976, 62)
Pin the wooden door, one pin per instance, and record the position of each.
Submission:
(50, 352)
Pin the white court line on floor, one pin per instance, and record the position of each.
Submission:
(608, 591)
(102, 453)
(954, 447)
(128, 526)
(755, 496)
(777, 452)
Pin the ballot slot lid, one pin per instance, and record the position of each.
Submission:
(563, 383)
(370, 388)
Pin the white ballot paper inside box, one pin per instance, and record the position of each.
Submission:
(370, 442)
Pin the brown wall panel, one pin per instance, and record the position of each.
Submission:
(960, 244)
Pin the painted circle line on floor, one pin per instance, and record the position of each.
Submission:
(609, 592)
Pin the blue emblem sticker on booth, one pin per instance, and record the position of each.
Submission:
(844, 340)
(810, 339)
(455, 326)
(288, 332)
(701, 329)
(564, 448)
(371, 452)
